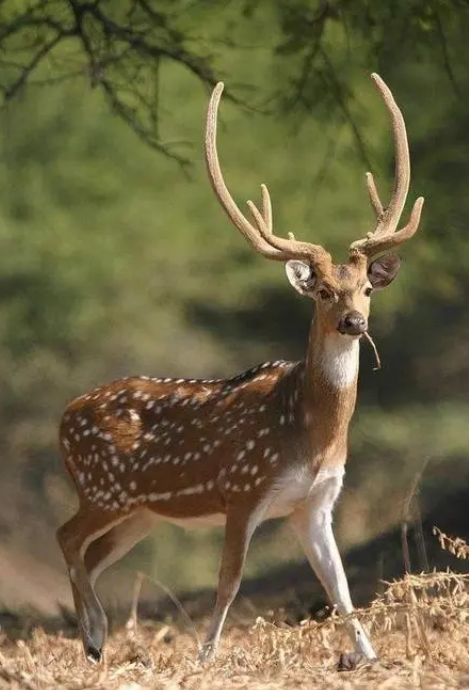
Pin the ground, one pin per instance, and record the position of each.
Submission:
(418, 625)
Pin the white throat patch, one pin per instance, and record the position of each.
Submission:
(339, 360)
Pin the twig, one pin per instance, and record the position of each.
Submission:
(11, 91)
(375, 351)
(131, 624)
(178, 605)
(406, 513)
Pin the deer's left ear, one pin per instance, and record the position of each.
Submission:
(383, 270)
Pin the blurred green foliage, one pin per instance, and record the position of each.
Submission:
(117, 260)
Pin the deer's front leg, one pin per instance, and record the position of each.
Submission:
(313, 525)
(240, 526)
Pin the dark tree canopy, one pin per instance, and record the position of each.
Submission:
(122, 46)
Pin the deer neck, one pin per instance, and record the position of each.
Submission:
(330, 391)
(332, 360)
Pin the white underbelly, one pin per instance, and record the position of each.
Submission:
(293, 489)
(214, 520)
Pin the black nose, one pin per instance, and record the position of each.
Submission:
(352, 323)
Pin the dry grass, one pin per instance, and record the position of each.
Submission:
(455, 545)
(419, 626)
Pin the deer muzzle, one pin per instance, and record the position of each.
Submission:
(352, 323)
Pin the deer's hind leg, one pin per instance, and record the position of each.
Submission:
(117, 542)
(74, 537)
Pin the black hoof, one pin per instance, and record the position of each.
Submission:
(348, 661)
(93, 654)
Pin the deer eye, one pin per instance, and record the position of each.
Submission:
(368, 291)
(324, 294)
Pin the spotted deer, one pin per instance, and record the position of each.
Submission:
(269, 443)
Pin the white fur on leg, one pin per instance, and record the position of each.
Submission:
(313, 525)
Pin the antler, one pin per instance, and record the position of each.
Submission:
(385, 236)
(260, 236)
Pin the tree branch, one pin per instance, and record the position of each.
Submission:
(12, 90)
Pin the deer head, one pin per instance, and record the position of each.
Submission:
(342, 292)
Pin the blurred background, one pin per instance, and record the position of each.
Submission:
(116, 258)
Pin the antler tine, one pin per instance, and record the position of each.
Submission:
(376, 244)
(374, 196)
(263, 220)
(261, 238)
(267, 208)
(385, 235)
(391, 216)
(220, 188)
(293, 248)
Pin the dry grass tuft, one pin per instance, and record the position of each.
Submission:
(419, 627)
(455, 545)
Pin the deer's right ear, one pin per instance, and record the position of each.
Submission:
(301, 276)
